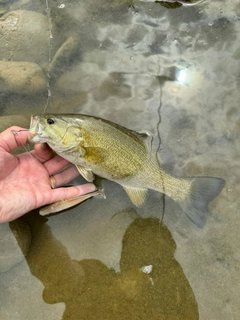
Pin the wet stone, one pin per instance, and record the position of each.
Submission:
(24, 36)
(21, 77)
(15, 241)
(62, 58)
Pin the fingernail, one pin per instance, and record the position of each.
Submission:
(88, 187)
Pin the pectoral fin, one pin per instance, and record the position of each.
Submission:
(137, 196)
(87, 174)
(65, 204)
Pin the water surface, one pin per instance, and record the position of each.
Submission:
(127, 62)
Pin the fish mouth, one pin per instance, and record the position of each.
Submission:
(35, 131)
(33, 137)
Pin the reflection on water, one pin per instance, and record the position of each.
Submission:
(89, 287)
(106, 58)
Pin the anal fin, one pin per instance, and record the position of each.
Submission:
(136, 195)
(87, 174)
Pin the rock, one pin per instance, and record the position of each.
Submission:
(14, 244)
(21, 77)
(24, 36)
(63, 58)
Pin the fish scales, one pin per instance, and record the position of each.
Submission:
(107, 145)
(129, 165)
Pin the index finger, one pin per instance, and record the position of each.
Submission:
(13, 137)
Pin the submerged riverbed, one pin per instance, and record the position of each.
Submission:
(137, 64)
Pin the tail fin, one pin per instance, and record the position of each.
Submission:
(203, 190)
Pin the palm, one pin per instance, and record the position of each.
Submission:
(27, 183)
(25, 179)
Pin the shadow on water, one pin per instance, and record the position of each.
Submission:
(150, 285)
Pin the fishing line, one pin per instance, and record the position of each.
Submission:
(49, 55)
(15, 133)
(161, 81)
(49, 94)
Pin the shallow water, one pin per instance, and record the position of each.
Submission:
(107, 259)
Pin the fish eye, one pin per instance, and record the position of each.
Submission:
(50, 121)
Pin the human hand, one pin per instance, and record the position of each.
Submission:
(25, 179)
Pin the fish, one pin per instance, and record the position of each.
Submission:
(172, 4)
(100, 147)
(65, 204)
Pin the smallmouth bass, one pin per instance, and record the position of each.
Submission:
(101, 147)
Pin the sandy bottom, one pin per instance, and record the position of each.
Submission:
(106, 259)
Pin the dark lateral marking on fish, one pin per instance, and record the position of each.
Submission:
(95, 154)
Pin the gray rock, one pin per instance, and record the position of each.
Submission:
(21, 77)
(14, 244)
(24, 36)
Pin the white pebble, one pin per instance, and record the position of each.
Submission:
(147, 269)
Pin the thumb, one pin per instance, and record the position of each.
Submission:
(64, 198)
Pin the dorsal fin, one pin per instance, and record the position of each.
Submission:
(142, 136)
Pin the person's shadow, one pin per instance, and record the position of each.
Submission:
(150, 285)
